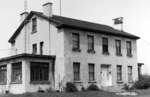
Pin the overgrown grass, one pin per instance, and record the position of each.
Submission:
(64, 94)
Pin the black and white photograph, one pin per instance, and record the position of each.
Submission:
(74, 48)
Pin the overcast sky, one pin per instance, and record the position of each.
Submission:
(136, 15)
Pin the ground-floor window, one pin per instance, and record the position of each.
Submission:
(119, 73)
(91, 72)
(39, 71)
(130, 74)
(3, 74)
(76, 71)
(17, 72)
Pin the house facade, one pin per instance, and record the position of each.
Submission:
(49, 50)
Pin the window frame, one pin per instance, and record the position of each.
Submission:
(41, 47)
(91, 45)
(76, 42)
(91, 72)
(119, 73)
(34, 25)
(34, 48)
(3, 74)
(15, 71)
(39, 72)
(76, 73)
(129, 49)
(130, 74)
(105, 45)
(118, 47)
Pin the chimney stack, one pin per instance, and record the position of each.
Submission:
(47, 9)
(23, 16)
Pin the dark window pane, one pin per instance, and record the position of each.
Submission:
(76, 71)
(119, 73)
(90, 42)
(17, 72)
(91, 72)
(39, 71)
(105, 45)
(76, 41)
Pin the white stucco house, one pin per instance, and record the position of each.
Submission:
(50, 50)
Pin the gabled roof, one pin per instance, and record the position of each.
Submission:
(65, 22)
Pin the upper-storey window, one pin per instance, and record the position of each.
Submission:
(34, 25)
(34, 49)
(129, 48)
(76, 42)
(118, 48)
(41, 47)
(105, 45)
(90, 43)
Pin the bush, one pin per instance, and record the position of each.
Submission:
(93, 87)
(143, 83)
(70, 87)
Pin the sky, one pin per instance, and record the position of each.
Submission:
(136, 15)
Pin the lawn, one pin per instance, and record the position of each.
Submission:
(142, 93)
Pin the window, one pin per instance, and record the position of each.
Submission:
(76, 42)
(41, 47)
(105, 45)
(34, 49)
(39, 71)
(3, 74)
(129, 48)
(118, 48)
(76, 71)
(130, 74)
(34, 25)
(119, 73)
(91, 72)
(90, 43)
(17, 72)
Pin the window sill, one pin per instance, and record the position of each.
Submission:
(92, 82)
(120, 82)
(91, 51)
(77, 82)
(105, 53)
(76, 49)
(40, 82)
(19, 82)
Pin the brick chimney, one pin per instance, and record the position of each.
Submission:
(47, 9)
(23, 16)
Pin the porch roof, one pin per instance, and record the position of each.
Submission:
(25, 55)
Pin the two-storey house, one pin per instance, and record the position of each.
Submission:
(49, 50)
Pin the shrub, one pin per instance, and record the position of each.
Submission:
(93, 87)
(70, 87)
(143, 83)
(127, 87)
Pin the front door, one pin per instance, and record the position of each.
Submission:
(106, 77)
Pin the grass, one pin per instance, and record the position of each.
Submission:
(142, 93)
(75, 94)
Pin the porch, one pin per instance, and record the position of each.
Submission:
(26, 73)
